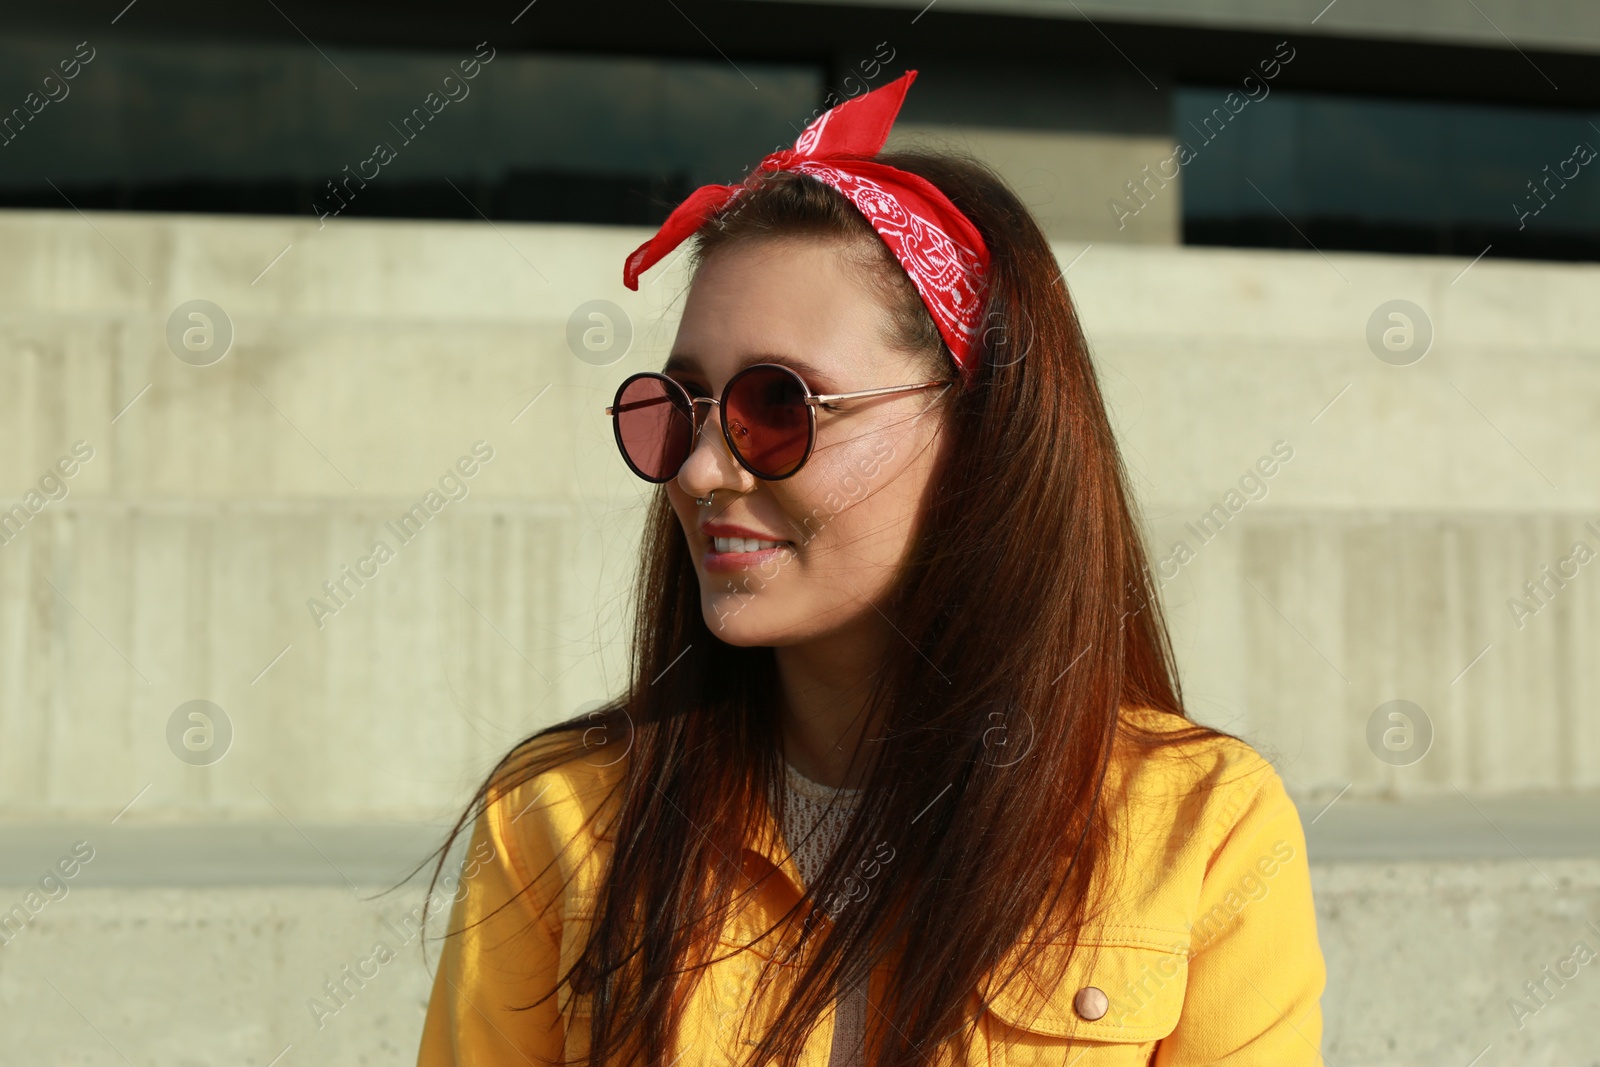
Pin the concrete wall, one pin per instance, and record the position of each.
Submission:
(1069, 179)
(369, 357)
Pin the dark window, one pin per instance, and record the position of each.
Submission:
(283, 129)
(1296, 169)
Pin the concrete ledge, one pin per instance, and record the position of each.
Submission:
(1453, 829)
(221, 854)
(1449, 830)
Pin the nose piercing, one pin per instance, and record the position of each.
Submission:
(706, 503)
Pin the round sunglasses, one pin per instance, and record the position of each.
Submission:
(768, 415)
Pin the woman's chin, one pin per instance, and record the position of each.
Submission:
(749, 624)
(729, 624)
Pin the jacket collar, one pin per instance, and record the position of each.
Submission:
(768, 846)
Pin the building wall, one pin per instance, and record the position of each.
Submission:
(1375, 563)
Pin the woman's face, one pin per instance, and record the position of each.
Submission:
(838, 529)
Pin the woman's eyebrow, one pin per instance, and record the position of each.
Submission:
(810, 372)
(680, 363)
(686, 363)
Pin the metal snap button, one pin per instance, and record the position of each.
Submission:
(1091, 1003)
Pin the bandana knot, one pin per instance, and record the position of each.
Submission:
(933, 240)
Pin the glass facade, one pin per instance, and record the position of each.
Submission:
(1294, 169)
(282, 129)
(584, 137)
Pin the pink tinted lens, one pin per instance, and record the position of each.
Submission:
(655, 427)
(768, 420)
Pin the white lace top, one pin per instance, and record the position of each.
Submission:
(806, 806)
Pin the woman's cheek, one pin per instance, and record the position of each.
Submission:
(840, 486)
(679, 501)
(871, 465)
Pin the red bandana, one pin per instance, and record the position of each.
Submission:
(938, 246)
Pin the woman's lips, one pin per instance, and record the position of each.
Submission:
(742, 553)
(731, 547)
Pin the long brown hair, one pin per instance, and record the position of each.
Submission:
(1030, 617)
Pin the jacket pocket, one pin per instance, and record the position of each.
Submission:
(1114, 999)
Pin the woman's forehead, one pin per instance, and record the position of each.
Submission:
(789, 301)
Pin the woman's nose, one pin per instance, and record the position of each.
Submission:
(709, 464)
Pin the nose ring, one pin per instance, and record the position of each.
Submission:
(706, 503)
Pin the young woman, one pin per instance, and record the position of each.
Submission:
(903, 775)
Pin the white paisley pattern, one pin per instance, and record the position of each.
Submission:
(947, 273)
(950, 276)
(807, 142)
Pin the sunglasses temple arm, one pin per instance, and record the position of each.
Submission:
(828, 398)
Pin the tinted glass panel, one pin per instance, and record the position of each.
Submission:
(286, 129)
(1389, 175)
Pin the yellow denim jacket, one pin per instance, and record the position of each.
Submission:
(1207, 953)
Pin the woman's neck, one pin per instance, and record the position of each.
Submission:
(824, 684)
